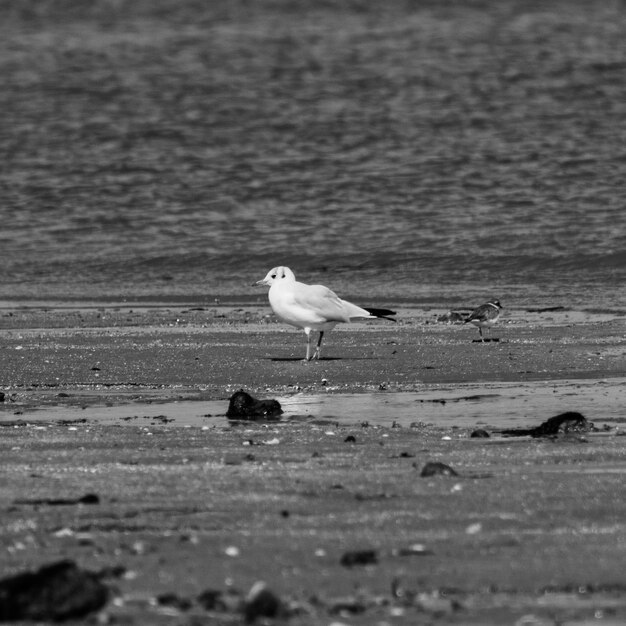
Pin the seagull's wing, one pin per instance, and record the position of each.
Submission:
(357, 313)
(322, 304)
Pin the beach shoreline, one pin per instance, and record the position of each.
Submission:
(221, 346)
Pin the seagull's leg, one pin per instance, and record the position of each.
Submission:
(308, 344)
(318, 349)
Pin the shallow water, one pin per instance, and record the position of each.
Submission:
(493, 406)
(431, 152)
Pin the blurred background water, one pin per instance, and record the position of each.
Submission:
(437, 152)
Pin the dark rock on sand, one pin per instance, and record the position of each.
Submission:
(546, 309)
(359, 557)
(56, 592)
(88, 498)
(219, 601)
(350, 439)
(175, 601)
(435, 468)
(261, 601)
(242, 406)
(569, 422)
(1, 396)
(479, 433)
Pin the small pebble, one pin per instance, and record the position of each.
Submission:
(359, 557)
(474, 529)
(232, 551)
(480, 433)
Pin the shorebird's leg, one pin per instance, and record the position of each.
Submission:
(480, 330)
(308, 344)
(318, 349)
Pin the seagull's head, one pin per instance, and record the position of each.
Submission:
(277, 274)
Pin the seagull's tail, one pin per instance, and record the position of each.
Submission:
(382, 313)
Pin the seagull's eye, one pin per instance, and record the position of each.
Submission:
(273, 275)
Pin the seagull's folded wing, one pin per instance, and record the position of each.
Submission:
(321, 303)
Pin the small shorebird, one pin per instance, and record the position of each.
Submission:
(485, 315)
(312, 307)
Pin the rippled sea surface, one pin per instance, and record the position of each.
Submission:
(436, 152)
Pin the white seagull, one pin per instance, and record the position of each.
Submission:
(312, 307)
(485, 315)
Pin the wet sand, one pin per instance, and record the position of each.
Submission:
(190, 502)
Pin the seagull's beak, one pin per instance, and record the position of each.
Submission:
(259, 283)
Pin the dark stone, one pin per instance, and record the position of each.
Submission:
(1, 396)
(261, 602)
(175, 601)
(480, 434)
(159, 418)
(569, 422)
(219, 601)
(350, 439)
(88, 498)
(546, 309)
(242, 406)
(56, 592)
(211, 600)
(359, 557)
(434, 468)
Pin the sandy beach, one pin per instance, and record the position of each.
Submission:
(128, 403)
